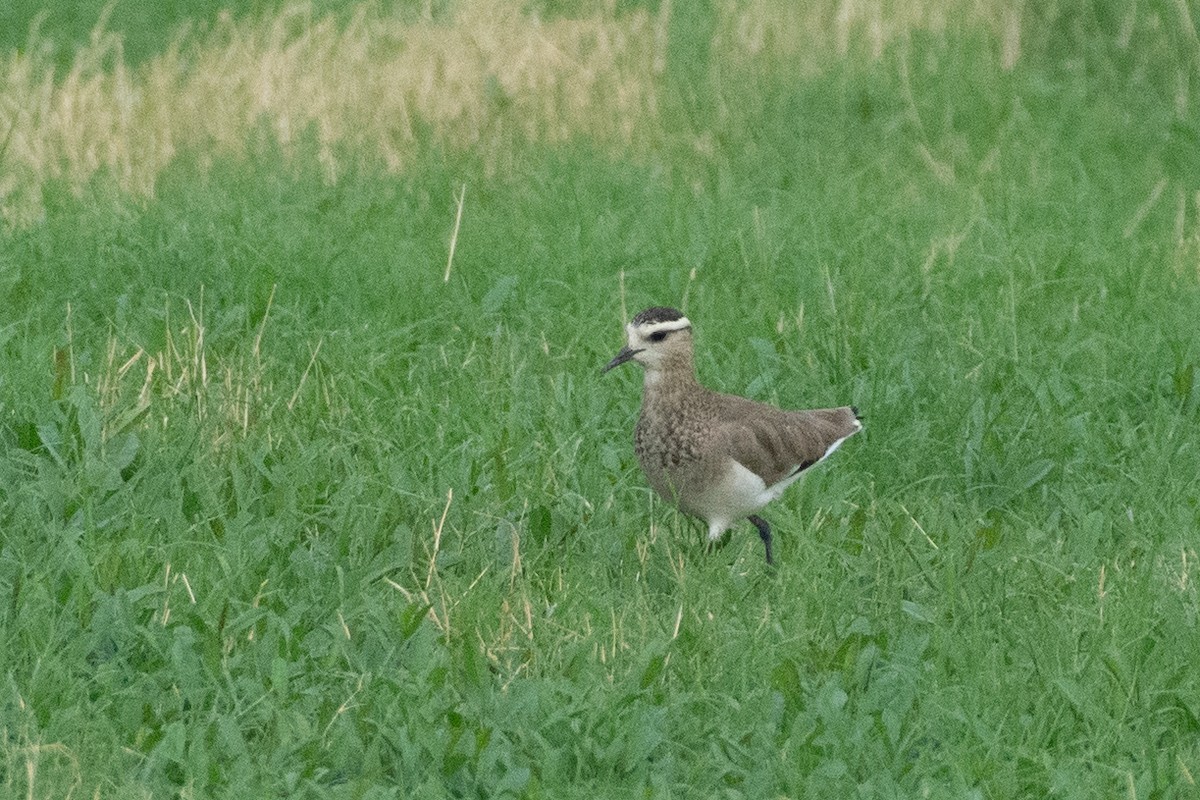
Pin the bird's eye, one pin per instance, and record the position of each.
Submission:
(658, 336)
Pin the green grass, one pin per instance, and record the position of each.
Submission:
(146, 29)
(282, 513)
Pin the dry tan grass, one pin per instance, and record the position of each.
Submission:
(376, 86)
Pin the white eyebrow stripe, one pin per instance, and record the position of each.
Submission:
(670, 325)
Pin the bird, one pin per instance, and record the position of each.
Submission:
(718, 457)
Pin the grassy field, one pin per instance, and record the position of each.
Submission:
(308, 489)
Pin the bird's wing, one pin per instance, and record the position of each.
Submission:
(775, 444)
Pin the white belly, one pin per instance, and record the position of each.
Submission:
(733, 496)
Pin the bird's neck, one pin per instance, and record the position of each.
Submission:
(670, 379)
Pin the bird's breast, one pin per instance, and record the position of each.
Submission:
(666, 438)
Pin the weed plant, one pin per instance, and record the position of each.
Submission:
(296, 499)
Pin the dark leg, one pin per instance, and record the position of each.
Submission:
(764, 531)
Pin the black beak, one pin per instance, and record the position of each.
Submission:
(623, 356)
